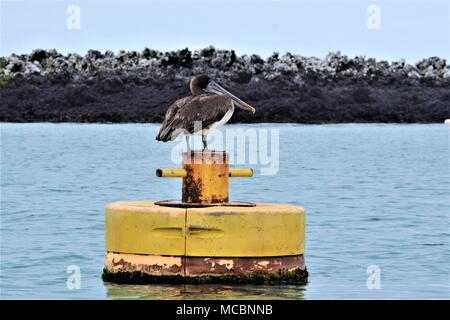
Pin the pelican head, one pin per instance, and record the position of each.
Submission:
(203, 84)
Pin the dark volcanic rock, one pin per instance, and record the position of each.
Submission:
(139, 87)
(38, 55)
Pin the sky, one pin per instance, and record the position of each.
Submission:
(387, 30)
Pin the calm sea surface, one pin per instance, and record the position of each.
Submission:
(375, 195)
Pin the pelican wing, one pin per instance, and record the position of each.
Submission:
(185, 113)
(166, 127)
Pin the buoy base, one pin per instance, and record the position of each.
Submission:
(142, 269)
(146, 242)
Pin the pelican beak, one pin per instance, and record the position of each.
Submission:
(213, 87)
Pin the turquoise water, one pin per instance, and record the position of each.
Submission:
(374, 195)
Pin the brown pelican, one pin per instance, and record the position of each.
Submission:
(209, 107)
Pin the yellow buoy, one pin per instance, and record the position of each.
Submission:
(204, 237)
(141, 227)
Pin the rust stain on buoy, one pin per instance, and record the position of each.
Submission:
(242, 265)
(162, 265)
(206, 179)
(196, 266)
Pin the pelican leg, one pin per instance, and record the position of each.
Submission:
(205, 142)
(187, 143)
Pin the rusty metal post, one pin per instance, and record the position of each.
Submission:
(206, 179)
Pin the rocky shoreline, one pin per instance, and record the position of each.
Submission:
(46, 86)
